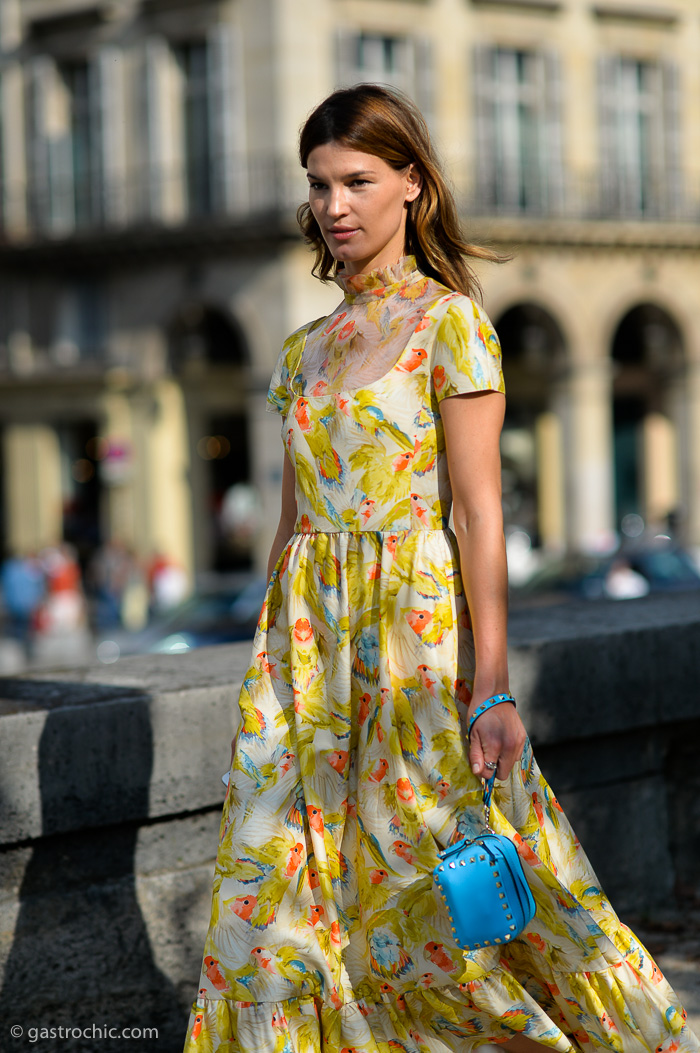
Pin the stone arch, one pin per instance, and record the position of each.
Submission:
(534, 363)
(203, 336)
(676, 308)
(648, 355)
(557, 303)
(648, 335)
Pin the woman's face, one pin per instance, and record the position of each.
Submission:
(359, 202)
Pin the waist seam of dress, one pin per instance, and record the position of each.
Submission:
(389, 533)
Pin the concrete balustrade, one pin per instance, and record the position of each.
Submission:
(110, 797)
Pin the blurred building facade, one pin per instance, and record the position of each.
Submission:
(150, 265)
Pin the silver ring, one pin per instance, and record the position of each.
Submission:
(491, 765)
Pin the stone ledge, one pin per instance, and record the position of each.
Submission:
(149, 737)
(111, 801)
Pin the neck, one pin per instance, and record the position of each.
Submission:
(388, 256)
(378, 262)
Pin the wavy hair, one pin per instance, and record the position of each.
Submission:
(385, 123)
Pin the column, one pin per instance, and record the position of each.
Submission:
(119, 502)
(164, 118)
(660, 466)
(108, 68)
(13, 176)
(227, 117)
(590, 465)
(551, 509)
(32, 487)
(693, 455)
(267, 460)
(171, 504)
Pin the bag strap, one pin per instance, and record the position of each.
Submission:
(488, 793)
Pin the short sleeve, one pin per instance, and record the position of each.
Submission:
(279, 395)
(466, 353)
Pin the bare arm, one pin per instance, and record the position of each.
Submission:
(288, 515)
(472, 426)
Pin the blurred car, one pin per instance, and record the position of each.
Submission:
(634, 570)
(217, 613)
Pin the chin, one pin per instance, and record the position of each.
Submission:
(346, 253)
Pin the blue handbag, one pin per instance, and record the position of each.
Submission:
(482, 882)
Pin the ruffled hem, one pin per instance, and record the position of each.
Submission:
(618, 1009)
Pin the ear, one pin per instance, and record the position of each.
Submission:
(414, 182)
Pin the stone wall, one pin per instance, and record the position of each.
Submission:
(110, 797)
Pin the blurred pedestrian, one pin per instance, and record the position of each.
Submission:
(116, 582)
(63, 609)
(23, 585)
(168, 583)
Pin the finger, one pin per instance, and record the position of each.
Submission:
(511, 753)
(476, 755)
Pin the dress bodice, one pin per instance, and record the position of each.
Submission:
(369, 453)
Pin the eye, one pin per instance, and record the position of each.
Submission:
(317, 186)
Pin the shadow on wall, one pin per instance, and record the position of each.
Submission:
(68, 954)
(616, 733)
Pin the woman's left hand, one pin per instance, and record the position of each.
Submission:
(497, 736)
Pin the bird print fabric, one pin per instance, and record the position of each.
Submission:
(350, 769)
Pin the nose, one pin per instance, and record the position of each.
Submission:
(337, 202)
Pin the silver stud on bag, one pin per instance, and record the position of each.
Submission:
(452, 865)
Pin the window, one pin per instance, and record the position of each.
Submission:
(638, 136)
(64, 145)
(80, 324)
(385, 59)
(193, 63)
(518, 130)
(402, 62)
(192, 138)
(85, 170)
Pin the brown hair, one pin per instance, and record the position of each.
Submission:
(385, 123)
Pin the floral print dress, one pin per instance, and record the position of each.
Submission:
(350, 767)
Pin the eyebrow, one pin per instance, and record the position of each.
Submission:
(350, 175)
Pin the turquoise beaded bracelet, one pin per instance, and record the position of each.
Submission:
(494, 700)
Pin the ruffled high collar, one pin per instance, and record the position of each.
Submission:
(380, 283)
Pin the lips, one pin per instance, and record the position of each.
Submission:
(342, 232)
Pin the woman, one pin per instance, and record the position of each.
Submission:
(381, 633)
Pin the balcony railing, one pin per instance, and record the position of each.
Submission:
(237, 190)
(243, 191)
